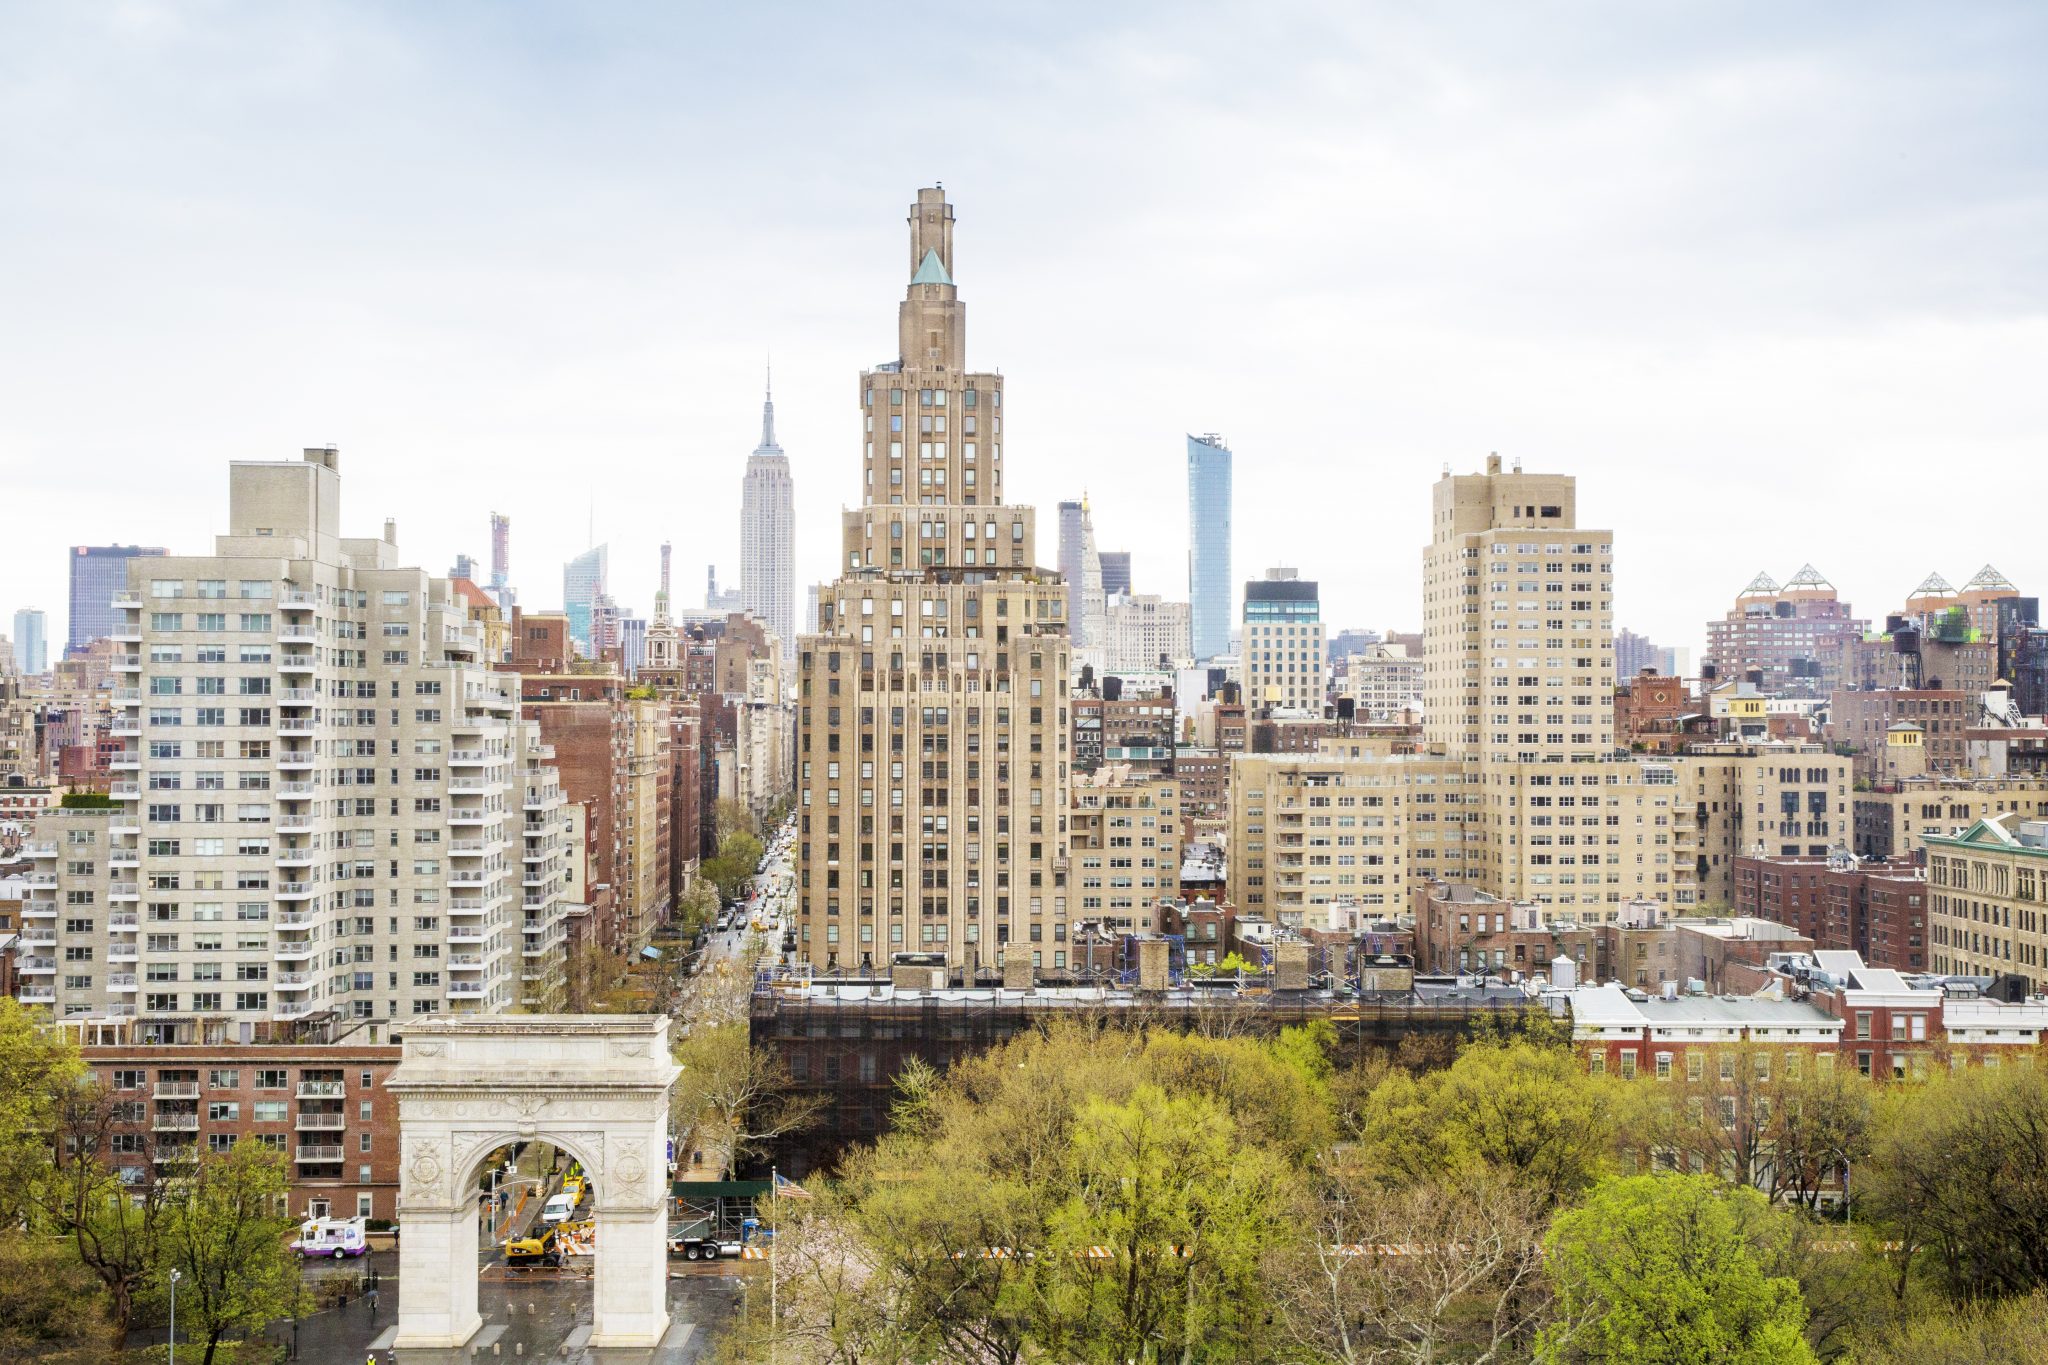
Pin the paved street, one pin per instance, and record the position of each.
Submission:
(539, 1311)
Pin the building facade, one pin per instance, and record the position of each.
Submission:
(1383, 681)
(585, 582)
(31, 640)
(324, 799)
(768, 535)
(1285, 652)
(1210, 584)
(1146, 633)
(99, 574)
(1989, 886)
(1791, 634)
(932, 706)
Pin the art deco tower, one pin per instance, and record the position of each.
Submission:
(932, 703)
(768, 535)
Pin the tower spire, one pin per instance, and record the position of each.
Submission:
(768, 413)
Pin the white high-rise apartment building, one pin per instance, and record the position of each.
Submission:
(329, 804)
(1143, 628)
(768, 536)
(1384, 680)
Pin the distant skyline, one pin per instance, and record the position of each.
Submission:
(1773, 284)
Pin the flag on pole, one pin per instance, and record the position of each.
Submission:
(785, 1188)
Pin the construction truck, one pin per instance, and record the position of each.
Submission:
(542, 1250)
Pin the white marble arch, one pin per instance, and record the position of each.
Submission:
(595, 1085)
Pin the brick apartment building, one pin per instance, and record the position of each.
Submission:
(323, 1105)
(1876, 908)
(1864, 720)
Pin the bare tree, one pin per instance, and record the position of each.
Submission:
(1434, 1271)
(105, 1192)
(743, 1090)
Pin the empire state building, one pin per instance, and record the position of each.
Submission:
(932, 724)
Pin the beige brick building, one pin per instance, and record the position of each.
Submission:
(932, 726)
(1899, 821)
(1989, 886)
(328, 803)
(1126, 839)
(1788, 799)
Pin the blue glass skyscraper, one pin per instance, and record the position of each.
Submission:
(1209, 581)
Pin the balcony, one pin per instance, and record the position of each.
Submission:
(38, 850)
(294, 791)
(537, 902)
(37, 966)
(125, 791)
(545, 799)
(323, 1090)
(467, 905)
(176, 1090)
(466, 990)
(466, 936)
(294, 952)
(126, 601)
(123, 919)
(124, 727)
(310, 1154)
(41, 879)
(293, 981)
(175, 1123)
(298, 696)
(127, 761)
(127, 695)
(294, 824)
(321, 1123)
(295, 857)
(296, 725)
(295, 663)
(123, 857)
(121, 981)
(296, 599)
(38, 995)
(122, 952)
(39, 910)
(465, 961)
(123, 891)
(128, 663)
(464, 757)
(296, 891)
(129, 634)
(304, 633)
(472, 816)
(295, 762)
(291, 918)
(469, 878)
(290, 1009)
(38, 935)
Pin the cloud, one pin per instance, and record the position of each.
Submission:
(1767, 281)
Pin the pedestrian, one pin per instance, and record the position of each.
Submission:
(373, 1303)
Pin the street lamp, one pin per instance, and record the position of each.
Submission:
(175, 1277)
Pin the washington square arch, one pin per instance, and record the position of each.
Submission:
(597, 1087)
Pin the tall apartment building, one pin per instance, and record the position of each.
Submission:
(99, 574)
(1285, 653)
(1145, 633)
(1116, 572)
(1771, 800)
(932, 704)
(326, 803)
(585, 582)
(1209, 575)
(1518, 620)
(31, 640)
(501, 562)
(768, 535)
(1790, 633)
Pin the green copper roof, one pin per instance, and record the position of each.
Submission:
(929, 271)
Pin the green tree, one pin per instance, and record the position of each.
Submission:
(1185, 1214)
(2008, 1332)
(1665, 1270)
(109, 1205)
(1958, 1172)
(1530, 1111)
(698, 906)
(730, 817)
(51, 1308)
(38, 1069)
(226, 1239)
(742, 1091)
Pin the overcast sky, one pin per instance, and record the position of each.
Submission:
(1771, 280)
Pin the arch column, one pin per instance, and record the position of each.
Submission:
(596, 1086)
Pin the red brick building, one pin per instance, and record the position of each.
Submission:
(323, 1105)
(1875, 908)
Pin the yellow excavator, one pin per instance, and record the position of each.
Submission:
(541, 1250)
